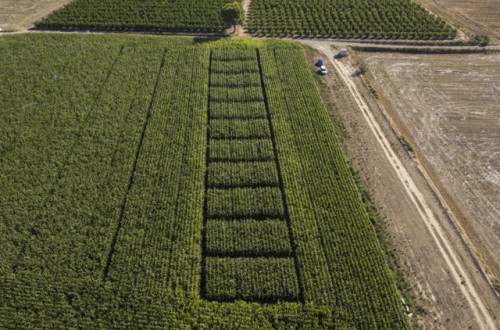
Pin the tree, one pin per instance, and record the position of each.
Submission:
(233, 14)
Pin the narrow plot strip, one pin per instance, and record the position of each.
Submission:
(247, 244)
(134, 167)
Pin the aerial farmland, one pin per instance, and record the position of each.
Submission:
(158, 171)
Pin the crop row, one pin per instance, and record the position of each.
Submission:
(248, 237)
(251, 279)
(345, 18)
(242, 174)
(172, 15)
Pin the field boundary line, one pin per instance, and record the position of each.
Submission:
(203, 275)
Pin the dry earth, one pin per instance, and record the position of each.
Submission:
(477, 16)
(443, 277)
(448, 107)
(19, 15)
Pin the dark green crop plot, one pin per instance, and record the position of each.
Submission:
(235, 79)
(237, 110)
(238, 128)
(248, 237)
(391, 19)
(132, 199)
(244, 66)
(170, 15)
(261, 279)
(240, 150)
(245, 202)
(242, 174)
(236, 94)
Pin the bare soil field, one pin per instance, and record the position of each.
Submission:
(478, 16)
(18, 15)
(447, 105)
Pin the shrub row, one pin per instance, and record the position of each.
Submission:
(346, 18)
(172, 15)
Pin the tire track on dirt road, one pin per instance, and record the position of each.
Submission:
(482, 315)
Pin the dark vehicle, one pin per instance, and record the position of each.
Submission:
(342, 53)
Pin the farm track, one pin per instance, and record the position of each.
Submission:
(483, 317)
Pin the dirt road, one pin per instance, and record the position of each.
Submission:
(448, 255)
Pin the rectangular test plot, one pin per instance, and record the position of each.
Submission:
(241, 150)
(236, 94)
(251, 279)
(248, 238)
(245, 202)
(239, 128)
(237, 110)
(232, 67)
(233, 55)
(235, 80)
(242, 174)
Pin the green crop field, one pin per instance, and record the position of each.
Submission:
(392, 19)
(160, 182)
(169, 15)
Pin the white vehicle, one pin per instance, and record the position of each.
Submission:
(322, 70)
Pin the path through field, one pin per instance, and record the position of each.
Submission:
(483, 317)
